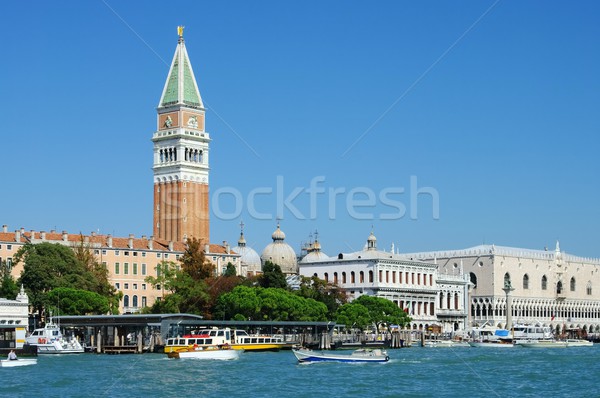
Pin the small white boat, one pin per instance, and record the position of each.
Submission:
(579, 343)
(445, 343)
(542, 343)
(207, 352)
(360, 355)
(491, 344)
(10, 363)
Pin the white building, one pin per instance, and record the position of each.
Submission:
(432, 299)
(280, 253)
(14, 318)
(550, 287)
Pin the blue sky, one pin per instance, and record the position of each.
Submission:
(491, 105)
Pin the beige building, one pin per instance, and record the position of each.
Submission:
(550, 287)
(129, 261)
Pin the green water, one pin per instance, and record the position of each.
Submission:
(411, 372)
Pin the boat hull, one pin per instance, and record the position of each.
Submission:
(543, 344)
(306, 356)
(579, 343)
(484, 344)
(58, 347)
(7, 363)
(217, 353)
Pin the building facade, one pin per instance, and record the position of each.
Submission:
(181, 166)
(433, 300)
(551, 288)
(129, 261)
(14, 318)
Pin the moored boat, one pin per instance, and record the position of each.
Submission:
(445, 343)
(543, 343)
(50, 340)
(578, 343)
(360, 355)
(10, 363)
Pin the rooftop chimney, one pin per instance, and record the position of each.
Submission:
(93, 233)
(32, 232)
(130, 244)
(5, 228)
(109, 240)
(43, 235)
(171, 246)
(17, 236)
(151, 243)
(206, 248)
(65, 236)
(22, 231)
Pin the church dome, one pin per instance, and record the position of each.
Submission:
(249, 258)
(314, 253)
(278, 234)
(280, 253)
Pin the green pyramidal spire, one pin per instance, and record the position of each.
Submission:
(180, 87)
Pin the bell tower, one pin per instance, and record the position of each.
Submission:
(181, 155)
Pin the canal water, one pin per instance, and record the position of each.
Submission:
(411, 372)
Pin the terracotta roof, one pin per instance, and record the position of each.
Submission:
(101, 241)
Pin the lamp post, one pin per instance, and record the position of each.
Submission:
(508, 290)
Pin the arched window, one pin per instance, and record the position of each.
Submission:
(352, 277)
(135, 301)
(343, 277)
(473, 279)
(588, 288)
(441, 299)
(335, 278)
(326, 276)
(371, 276)
(126, 301)
(544, 283)
(362, 277)
(455, 301)
(573, 284)
(559, 287)
(507, 279)
(525, 281)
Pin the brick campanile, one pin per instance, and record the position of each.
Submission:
(181, 164)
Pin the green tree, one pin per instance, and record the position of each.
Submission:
(274, 304)
(329, 294)
(49, 266)
(194, 261)
(8, 286)
(77, 302)
(272, 276)
(230, 270)
(181, 292)
(383, 311)
(354, 316)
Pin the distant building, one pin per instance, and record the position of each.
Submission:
(249, 259)
(129, 261)
(550, 287)
(411, 284)
(280, 253)
(14, 318)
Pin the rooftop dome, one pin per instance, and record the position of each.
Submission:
(314, 253)
(280, 253)
(249, 258)
(278, 234)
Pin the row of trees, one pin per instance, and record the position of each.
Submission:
(70, 279)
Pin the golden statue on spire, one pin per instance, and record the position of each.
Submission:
(180, 31)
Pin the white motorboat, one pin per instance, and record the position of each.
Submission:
(488, 336)
(220, 352)
(579, 343)
(543, 343)
(10, 363)
(50, 340)
(360, 355)
(445, 343)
